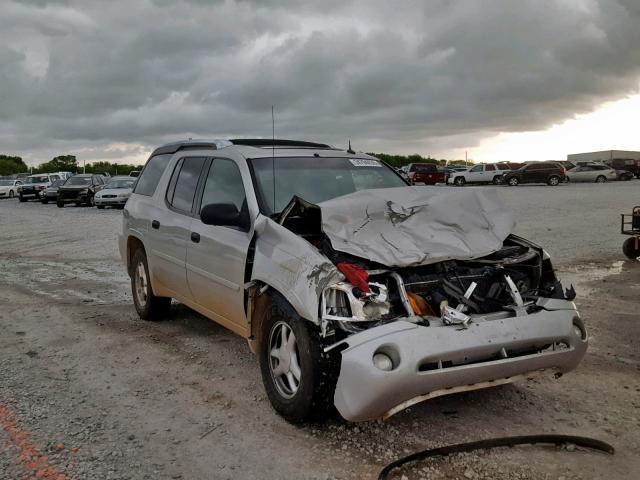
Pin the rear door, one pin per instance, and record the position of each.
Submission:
(171, 226)
(216, 255)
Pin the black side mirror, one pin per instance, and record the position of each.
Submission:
(225, 214)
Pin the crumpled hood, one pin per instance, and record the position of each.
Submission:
(406, 226)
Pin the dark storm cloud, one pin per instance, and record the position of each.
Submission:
(85, 76)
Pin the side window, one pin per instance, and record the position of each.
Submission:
(150, 176)
(224, 184)
(489, 168)
(182, 188)
(477, 168)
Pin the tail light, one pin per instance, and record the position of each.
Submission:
(563, 170)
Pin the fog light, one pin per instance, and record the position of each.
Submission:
(383, 362)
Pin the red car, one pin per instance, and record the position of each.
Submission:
(426, 173)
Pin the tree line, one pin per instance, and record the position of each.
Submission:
(10, 165)
(401, 160)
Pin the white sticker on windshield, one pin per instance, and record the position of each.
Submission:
(364, 162)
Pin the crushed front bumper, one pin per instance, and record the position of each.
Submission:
(438, 360)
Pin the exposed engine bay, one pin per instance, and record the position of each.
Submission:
(509, 280)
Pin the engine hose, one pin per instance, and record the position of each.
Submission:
(585, 442)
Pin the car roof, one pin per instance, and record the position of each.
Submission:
(261, 148)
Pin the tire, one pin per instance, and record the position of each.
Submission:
(310, 395)
(60, 204)
(22, 199)
(90, 201)
(513, 182)
(148, 306)
(459, 181)
(100, 207)
(497, 180)
(601, 179)
(629, 248)
(45, 201)
(553, 180)
(11, 194)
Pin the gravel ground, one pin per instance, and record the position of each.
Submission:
(89, 391)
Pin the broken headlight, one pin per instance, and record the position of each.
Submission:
(344, 302)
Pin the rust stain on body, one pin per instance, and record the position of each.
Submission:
(36, 464)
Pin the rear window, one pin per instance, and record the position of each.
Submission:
(424, 168)
(150, 176)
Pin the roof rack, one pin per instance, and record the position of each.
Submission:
(278, 142)
(191, 145)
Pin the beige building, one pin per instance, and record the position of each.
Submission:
(603, 156)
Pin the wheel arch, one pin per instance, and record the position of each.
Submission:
(133, 245)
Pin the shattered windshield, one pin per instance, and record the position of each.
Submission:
(317, 179)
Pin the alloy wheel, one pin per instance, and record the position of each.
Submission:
(141, 284)
(283, 360)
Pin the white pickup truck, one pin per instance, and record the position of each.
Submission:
(481, 173)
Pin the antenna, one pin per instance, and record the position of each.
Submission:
(273, 156)
(350, 150)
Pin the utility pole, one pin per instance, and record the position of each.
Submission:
(465, 157)
(84, 166)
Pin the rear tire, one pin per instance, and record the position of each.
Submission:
(629, 248)
(22, 199)
(148, 305)
(601, 179)
(45, 201)
(497, 180)
(11, 194)
(60, 204)
(459, 181)
(553, 180)
(298, 376)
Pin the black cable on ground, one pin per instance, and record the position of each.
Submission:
(585, 442)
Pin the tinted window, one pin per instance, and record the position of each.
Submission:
(477, 168)
(535, 166)
(153, 170)
(224, 184)
(489, 167)
(188, 172)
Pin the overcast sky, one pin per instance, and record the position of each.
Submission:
(111, 79)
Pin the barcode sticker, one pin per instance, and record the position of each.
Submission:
(364, 162)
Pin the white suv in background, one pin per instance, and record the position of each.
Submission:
(481, 173)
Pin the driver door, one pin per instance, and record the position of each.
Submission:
(476, 174)
(216, 255)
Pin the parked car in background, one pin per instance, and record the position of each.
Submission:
(551, 173)
(427, 173)
(115, 193)
(9, 188)
(65, 175)
(34, 184)
(481, 173)
(591, 173)
(79, 189)
(628, 164)
(624, 175)
(134, 173)
(50, 194)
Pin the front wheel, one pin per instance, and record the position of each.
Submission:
(148, 305)
(11, 194)
(298, 376)
(22, 199)
(601, 179)
(631, 247)
(60, 204)
(497, 180)
(100, 207)
(45, 201)
(459, 181)
(513, 182)
(553, 180)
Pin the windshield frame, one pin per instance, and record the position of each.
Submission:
(263, 205)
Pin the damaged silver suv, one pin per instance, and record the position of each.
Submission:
(354, 289)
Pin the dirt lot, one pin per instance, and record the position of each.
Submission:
(89, 391)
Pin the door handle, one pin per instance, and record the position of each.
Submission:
(155, 224)
(195, 237)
